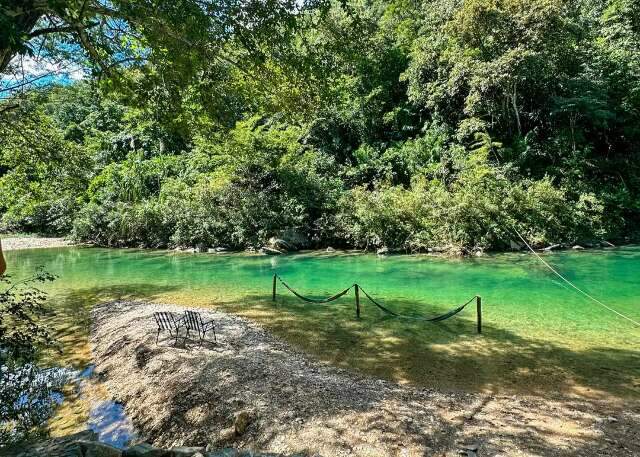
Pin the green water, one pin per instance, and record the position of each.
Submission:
(538, 334)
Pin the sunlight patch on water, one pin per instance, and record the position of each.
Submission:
(88, 405)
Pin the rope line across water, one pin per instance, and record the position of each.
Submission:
(314, 300)
(579, 290)
(439, 318)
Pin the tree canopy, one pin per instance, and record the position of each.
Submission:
(413, 125)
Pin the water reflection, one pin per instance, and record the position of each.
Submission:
(112, 425)
(106, 417)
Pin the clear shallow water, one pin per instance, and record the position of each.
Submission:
(538, 333)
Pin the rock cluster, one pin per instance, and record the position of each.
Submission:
(288, 241)
(85, 444)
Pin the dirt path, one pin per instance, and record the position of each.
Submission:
(190, 395)
(12, 243)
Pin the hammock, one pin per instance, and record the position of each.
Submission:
(439, 318)
(314, 300)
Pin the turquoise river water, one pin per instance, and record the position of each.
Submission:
(538, 334)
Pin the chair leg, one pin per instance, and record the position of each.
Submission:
(215, 339)
(157, 336)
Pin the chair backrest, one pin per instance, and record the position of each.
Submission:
(165, 320)
(193, 320)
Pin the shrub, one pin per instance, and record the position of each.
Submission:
(479, 210)
(28, 393)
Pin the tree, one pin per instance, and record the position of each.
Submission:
(122, 34)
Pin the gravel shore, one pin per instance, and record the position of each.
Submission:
(12, 243)
(190, 395)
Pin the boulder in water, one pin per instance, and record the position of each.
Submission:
(288, 240)
(280, 244)
(270, 251)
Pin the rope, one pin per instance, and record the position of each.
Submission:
(439, 318)
(573, 285)
(314, 300)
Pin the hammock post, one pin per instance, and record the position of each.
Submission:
(357, 300)
(479, 312)
(273, 297)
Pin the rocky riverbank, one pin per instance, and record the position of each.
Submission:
(85, 444)
(13, 243)
(251, 390)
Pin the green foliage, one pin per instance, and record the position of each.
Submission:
(478, 211)
(21, 307)
(27, 392)
(412, 125)
(41, 173)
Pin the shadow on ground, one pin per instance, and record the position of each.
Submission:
(187, 395)
(70, 317)
(449, 355)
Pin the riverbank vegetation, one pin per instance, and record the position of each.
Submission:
(411, 125)
(28, 392)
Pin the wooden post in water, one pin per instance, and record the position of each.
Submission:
(479, 312)
(274, 287)
(357, 301)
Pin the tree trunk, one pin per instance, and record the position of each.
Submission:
(515, 109)
(3, 264)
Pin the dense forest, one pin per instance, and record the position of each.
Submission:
(413, 125)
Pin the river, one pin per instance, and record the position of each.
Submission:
(539, 336)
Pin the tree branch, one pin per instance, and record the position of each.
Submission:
(63, 29)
